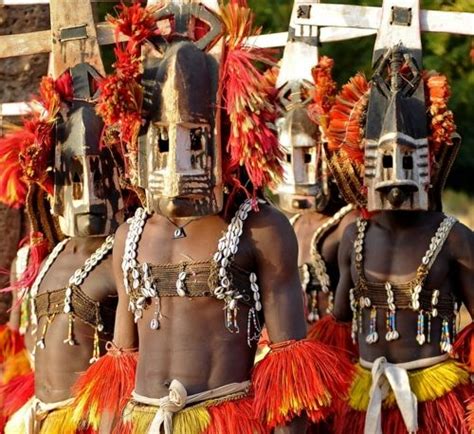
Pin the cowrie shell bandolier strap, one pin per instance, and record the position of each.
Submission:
(319, 265)
(412, 295)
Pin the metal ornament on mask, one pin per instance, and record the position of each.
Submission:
(305, 179)
(180, 156)
(87, 195)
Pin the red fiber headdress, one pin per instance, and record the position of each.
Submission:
(323, 94)
(26, 155)
(248, 93)
(347, 128)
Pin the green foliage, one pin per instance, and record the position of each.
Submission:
(448, 54)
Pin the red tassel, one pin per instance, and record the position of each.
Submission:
(336, 334)
(236, 417)
(464, 347)
(17, 392)
(104, 388)
(299, 377)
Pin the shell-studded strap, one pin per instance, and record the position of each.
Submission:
(437, 242)
(93, 261)
(49, 262)
(227, 249)
(317, 259)
(359, 246)
(35, 287)
(129, 262)
(22, 257)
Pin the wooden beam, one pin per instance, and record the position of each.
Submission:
(327, 34)
(24, 44)
(14, 109)
(367, 17)
(74, 36)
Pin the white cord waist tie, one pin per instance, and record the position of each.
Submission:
(178, 399)
(394, 376)
(39, 411)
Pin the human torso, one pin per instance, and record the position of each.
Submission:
(318, 241)
(73, 320)
(405, 290)
(189, 330)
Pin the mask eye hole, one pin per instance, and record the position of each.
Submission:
(77, 180)
(99, 185)
(197, 136)
(163, 140)
(77, 189)
(408, 162)
(387, 162)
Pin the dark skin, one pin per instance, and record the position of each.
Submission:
(193, 329)
(304, 228)
(394, 246)
(58, 366)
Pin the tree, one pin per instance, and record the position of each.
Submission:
(448, 54)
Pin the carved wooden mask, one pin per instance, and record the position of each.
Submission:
(87, 195)
(180, 156)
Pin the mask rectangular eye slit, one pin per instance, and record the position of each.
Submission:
(407, 162)
(198, 138)
(99, 190)
(77, 179)
(387, 162)
(163, 140)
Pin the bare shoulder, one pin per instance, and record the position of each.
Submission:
(461, 242)
(120, 238)
(347, 221)
(270, 223)
(350, 232)
(121, 233)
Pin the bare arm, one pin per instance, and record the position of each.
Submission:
(276, 258)
(342, 307)
(462, 246)
(125, 333)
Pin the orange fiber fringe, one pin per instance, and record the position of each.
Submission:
(16, 365)
(17, 392)
(336, 334)
(346, 128)
(236, 417)
(446, 415)
(299, 377)
(104, 388)
(464, 347)
(11, 343)
(470, 417)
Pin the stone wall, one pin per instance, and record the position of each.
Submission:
(19, 79)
